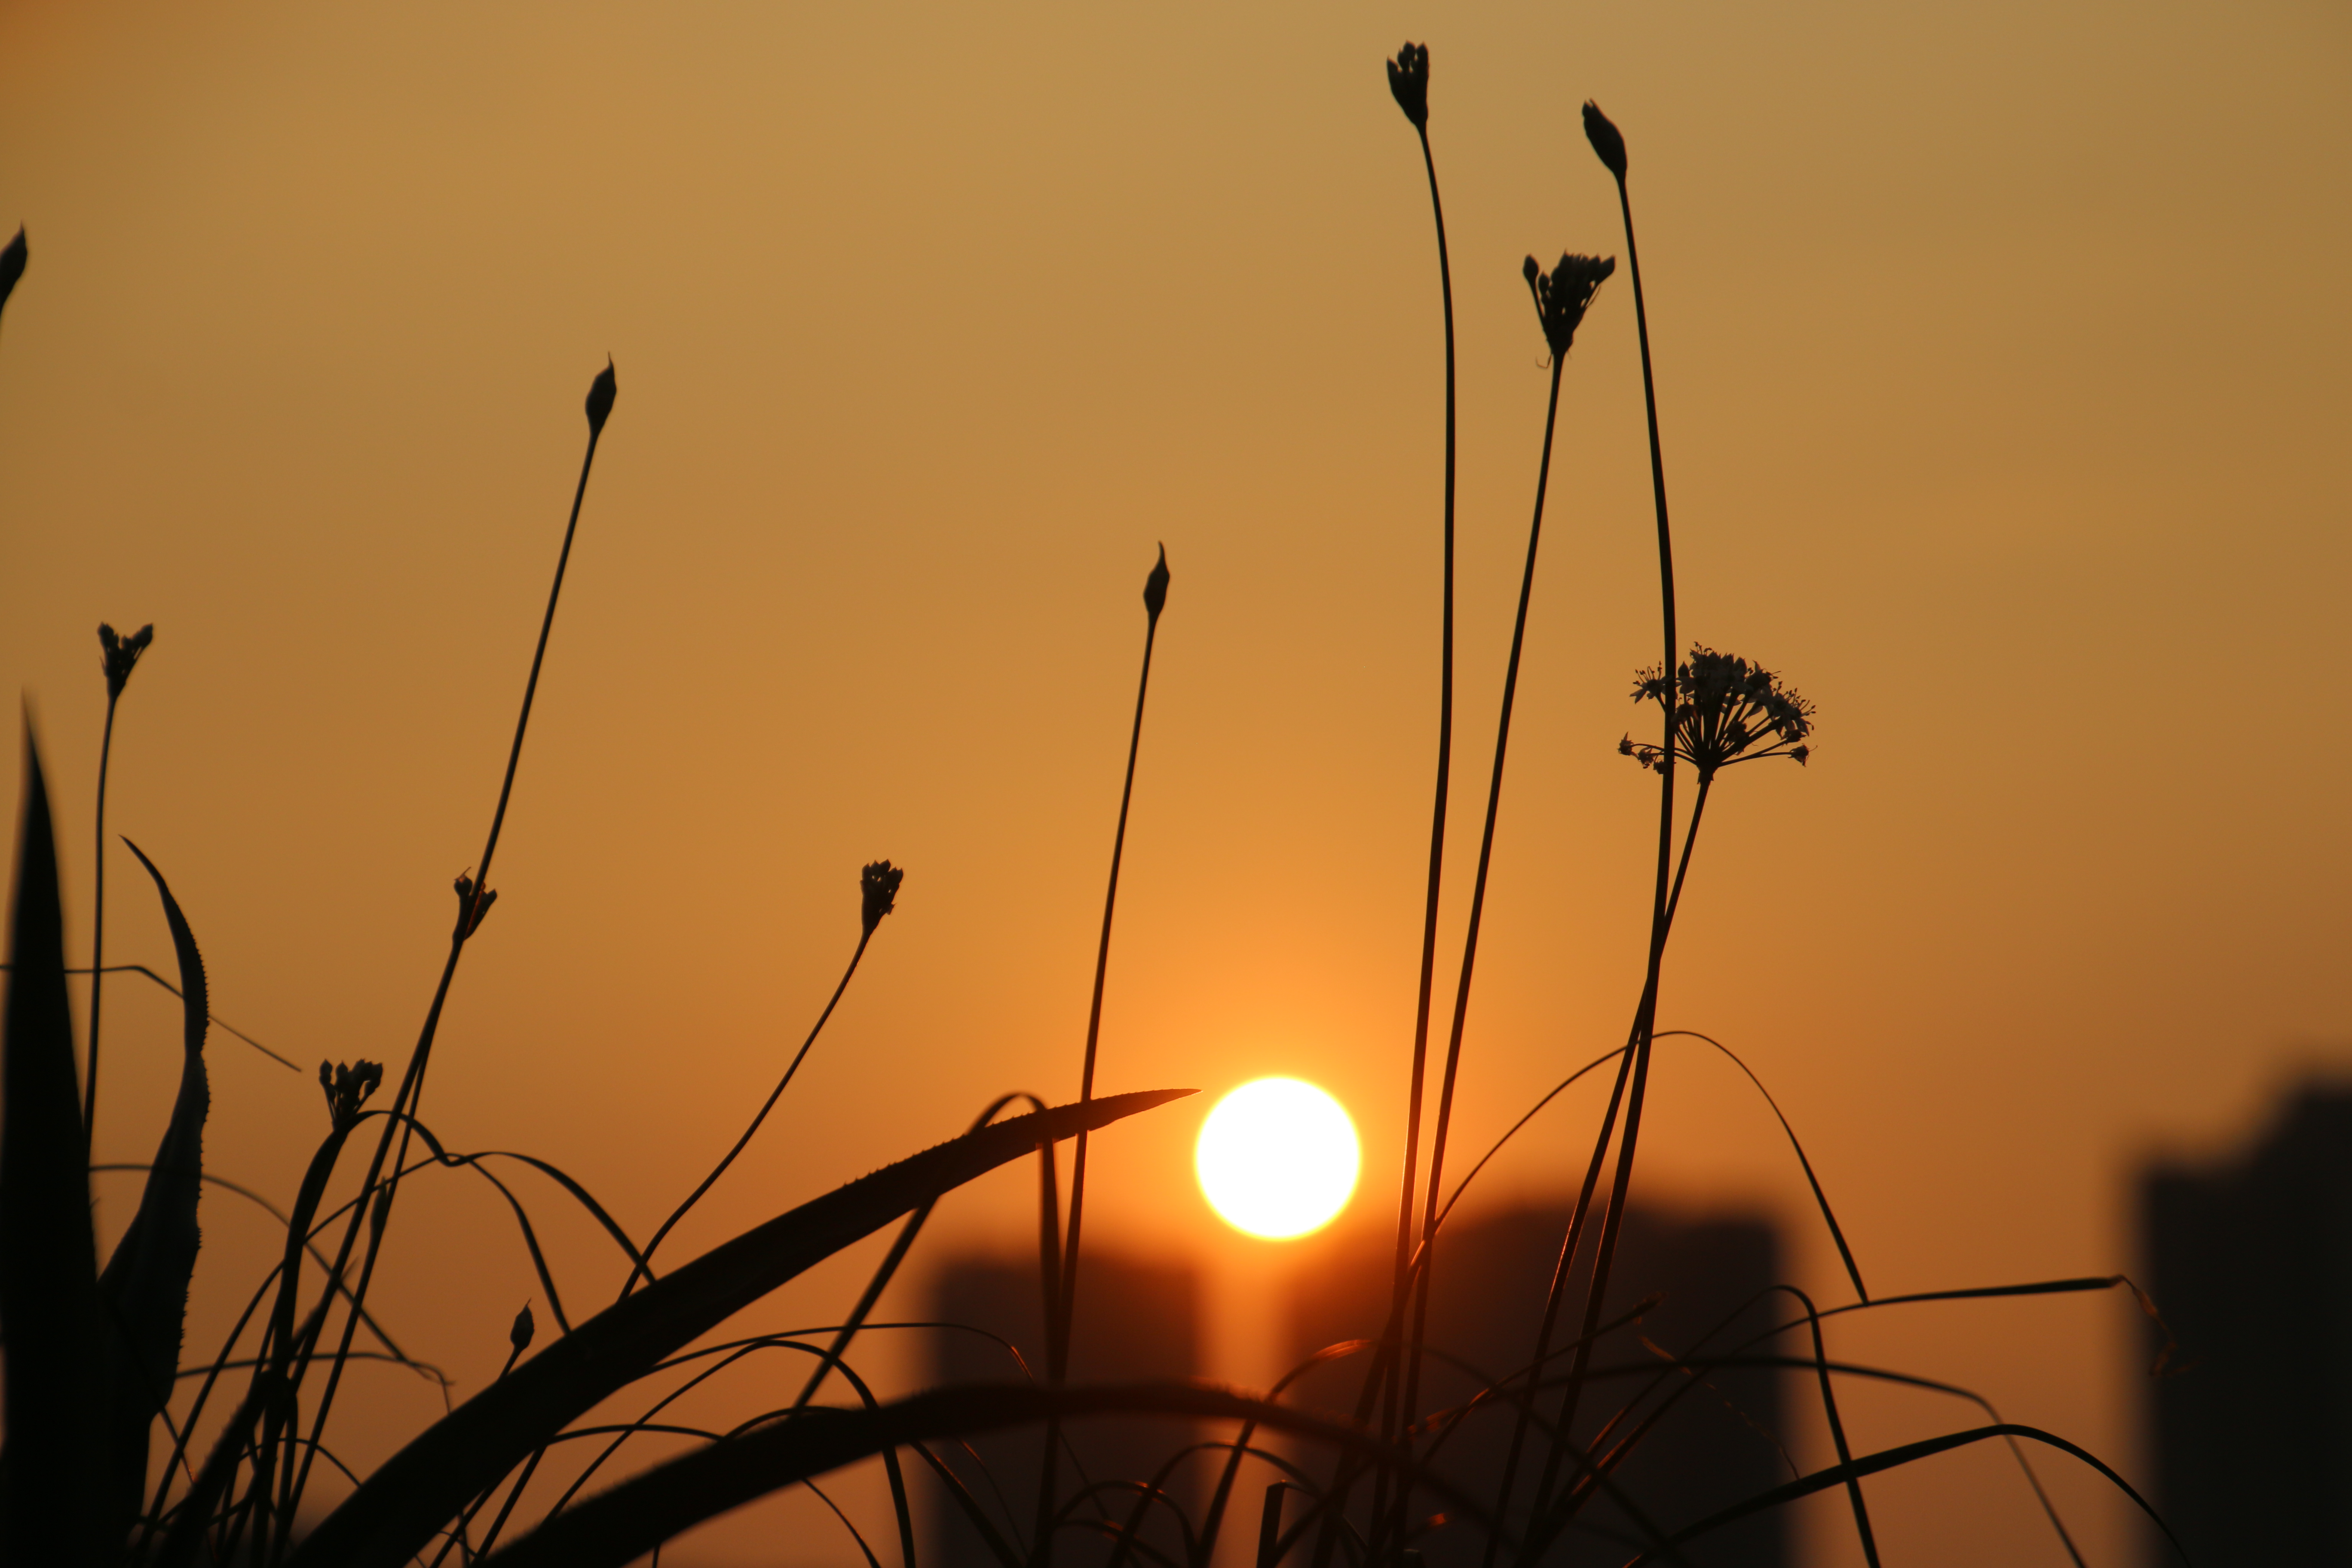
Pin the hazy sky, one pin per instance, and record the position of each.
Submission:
(2002, 353)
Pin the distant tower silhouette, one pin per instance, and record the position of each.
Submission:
(1136, 1318)
(2251, 1262)
(1715, 1447)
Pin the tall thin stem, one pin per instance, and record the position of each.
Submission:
(1394, 1411)
(1062, 1312)
(97, 929)
(375, 1216)
(1379, 1375)
(1470, 939)
(1645, 1013)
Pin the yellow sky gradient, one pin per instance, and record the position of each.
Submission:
(2002, 359)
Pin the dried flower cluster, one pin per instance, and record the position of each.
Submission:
(1726, 711)
(1564, 294)
(1409, 80)
(121, 654)
(877, 887)
(470, 915)
(347, 1088)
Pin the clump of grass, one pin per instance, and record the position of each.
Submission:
(94, 1355)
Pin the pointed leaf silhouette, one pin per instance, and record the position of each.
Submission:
(394, 1514)
(50, 1470)
(144, 1289)
(617, 1527)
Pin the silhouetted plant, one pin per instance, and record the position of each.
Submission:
(1562, 296)
(1062, 1282)
(119, 655)
(94, 1355)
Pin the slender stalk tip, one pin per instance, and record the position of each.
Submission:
(1409, 81)
(120, 656)
(519, 1335)
(1155, 587)
(1607, 141)
(878, 888)
(12, 264)
(601, 393)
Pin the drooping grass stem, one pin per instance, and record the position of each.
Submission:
(1062, 1300)
(475, 903)
(644, 1268)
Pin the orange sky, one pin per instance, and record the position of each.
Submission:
(2002, 373)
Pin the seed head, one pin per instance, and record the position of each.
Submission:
(1726, 711)
(121, 654)
(600, 393)
(347, 1088)
(1564, 294)
(12, 265)
(1409, 80)
(1606, 139)
(470, 915)
(1155, 587)
(877, 888)
(519, 1335)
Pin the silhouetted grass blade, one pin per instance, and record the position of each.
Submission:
(49, 1491)
(12, 266)
(394, 1513)
(144, 1288)
(620, 1525)
(1910, 1453)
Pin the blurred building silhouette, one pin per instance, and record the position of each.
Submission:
(1716, 1445)
(1136, 1319)
(2251, 1262)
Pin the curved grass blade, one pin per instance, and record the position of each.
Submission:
(51, 1495)
(1821, 1199)
(1006, 1555)
(144, 1289)
(619, 1525)
(433, 1478)
(1911, 1453)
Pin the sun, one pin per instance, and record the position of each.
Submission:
(1277, 1158)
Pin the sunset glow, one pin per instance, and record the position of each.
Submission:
(1277, 1158)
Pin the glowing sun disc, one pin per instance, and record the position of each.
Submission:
(1277, 1158)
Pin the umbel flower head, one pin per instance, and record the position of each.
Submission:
(1726, 711)
(1409, 80)
(878, 888)
(120, 654)
(1564, 294)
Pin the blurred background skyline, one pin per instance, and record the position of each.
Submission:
(2002, 356)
